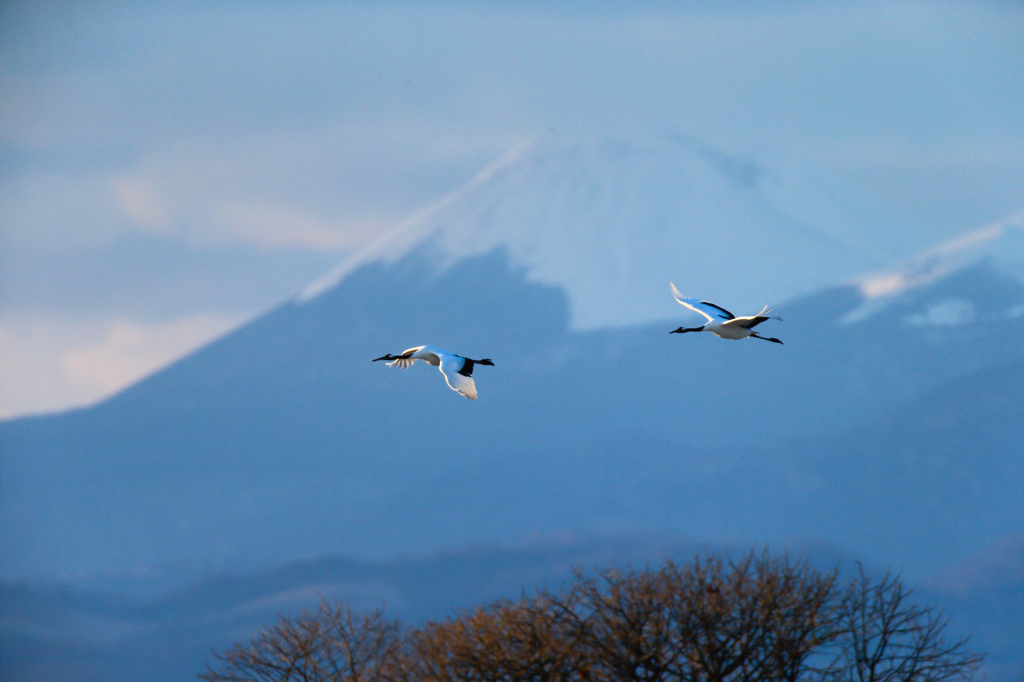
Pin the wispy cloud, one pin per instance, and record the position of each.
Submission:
(49, 364)
(204, 219)
(274, 226)
(141, 204)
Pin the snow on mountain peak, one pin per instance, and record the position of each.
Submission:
(1000, 244)
(611, 222)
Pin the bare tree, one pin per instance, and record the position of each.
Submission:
(503, 642)
(332, 644)
(762, 618)
(759, 618)
(887, 639)
(622, 620)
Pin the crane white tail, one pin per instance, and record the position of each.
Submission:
(764, 313)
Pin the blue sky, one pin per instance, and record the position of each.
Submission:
(169, 170)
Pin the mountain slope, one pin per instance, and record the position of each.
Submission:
(284, 439)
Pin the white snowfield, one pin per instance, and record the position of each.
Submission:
(610, 222)
(1001, 245)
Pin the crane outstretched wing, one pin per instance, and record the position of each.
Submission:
(708, 310)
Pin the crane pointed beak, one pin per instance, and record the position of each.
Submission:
(383, 357)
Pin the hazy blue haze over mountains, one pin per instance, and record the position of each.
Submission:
(889, 434)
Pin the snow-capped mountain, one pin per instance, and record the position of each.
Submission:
(610, 222)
